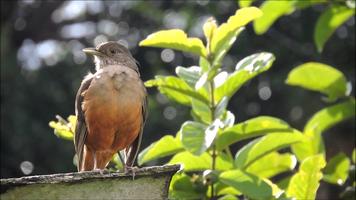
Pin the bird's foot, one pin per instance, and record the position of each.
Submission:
(131, 170)
(101, 171)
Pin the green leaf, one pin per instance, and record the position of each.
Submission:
(193, 137)
(175, 39)
(191, 162)
(221, 107)
(176, 89)
(330, 116)
(262, 146)
(337, 169)
(202, 111)
(246, 69)
(228, 197)
(319, 77)
(166, 146)
(319, 123)
(182, 187)
(227, 32)
(64, 129)
(329, 21)
(251, 128)
(117, 161)
(249, 184)
(209, 28)
(305, 183)
(272, 164)
(354, 156)
(204, 64)
(245, 3)
(284, 183)
(228, 119)
(222, 189)
(272, 10)
(197, 137)
(190, 75)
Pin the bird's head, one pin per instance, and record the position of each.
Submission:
(111, 53)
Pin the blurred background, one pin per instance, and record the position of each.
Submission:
(42, 66)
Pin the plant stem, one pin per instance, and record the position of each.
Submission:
(212, 112)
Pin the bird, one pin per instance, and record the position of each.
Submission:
(110, 106)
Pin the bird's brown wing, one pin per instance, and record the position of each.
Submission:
(81, 130)
(132, 150)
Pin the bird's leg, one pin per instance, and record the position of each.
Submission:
(96, 169)
(131, 169)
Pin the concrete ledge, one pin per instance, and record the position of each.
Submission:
(147, 183)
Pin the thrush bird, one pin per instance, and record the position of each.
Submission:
(111, 109)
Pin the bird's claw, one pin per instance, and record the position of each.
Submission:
(131, 170)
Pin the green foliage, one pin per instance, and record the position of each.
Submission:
(260, 147)
(249, 184)
(176, 89)
(305, 183)
(329, 21)
(202, 145)
(272, 11)
(333, 17)
(251, 128)
(192, 162)
(245, 70)
(62, 128)
(320, 122)
(180, 41)
(272, 164)
(225, 35)
(319, 77)
(337, 169)
(166, 146)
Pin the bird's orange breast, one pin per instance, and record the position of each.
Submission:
(113, 109)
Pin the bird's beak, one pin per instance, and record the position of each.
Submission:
(93, 51)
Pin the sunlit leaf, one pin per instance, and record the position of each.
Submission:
(249, 184)
(263, 146)
(272, 10)
(190, 75)
(175, 89)
(166, 146)
(319, 123)
(251, 128)
(175, 39)
(354, 156)
(64, 129)
(197, 137)
(245, 3)
(305, 183)
(319, 77)
(246, 69)
(182, 187)
(222, 189)
(221, 107)
(330, 116)
(229, 197)
(227, 32)
(204, 64)
(329, 21)
(209, 28)
(272, 164)
(202, 111)
(116, 160)
(191, 162)
(228, 119)
(337, 169)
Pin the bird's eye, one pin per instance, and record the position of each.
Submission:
(112, 51)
